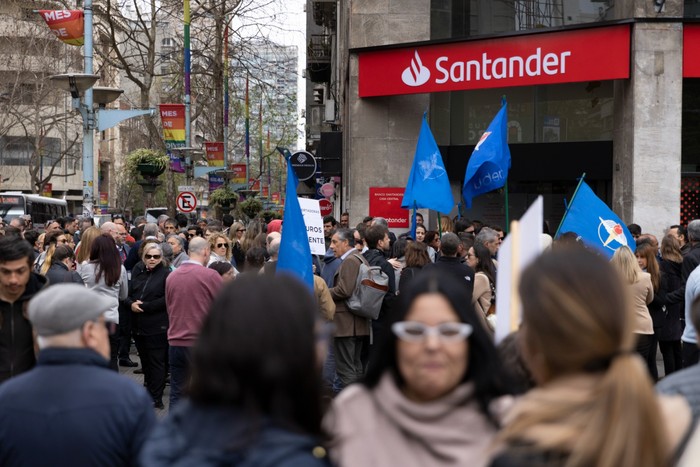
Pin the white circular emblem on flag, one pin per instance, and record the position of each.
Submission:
(416, 74)
(610, 231)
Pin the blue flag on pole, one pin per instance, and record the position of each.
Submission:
(595, 223)
(489, 163)
(428, 186)
(295, 252)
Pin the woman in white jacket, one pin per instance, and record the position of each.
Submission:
(106, 275)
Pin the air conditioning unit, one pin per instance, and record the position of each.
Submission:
(329, 115)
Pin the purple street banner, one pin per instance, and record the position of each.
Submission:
(215, 181)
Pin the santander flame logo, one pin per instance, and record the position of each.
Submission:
(416, 74)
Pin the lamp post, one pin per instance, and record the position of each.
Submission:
(81, 85)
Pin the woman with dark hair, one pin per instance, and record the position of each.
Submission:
(479, 259)
(62, 264)
(594, 404)
(416, 258)
(149, 318)
(255, 392)
(432, 239)
(105, 274)
(672, 326)
(225, 269)
(431, 392)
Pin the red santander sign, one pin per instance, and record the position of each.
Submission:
(591, 54)
(386, 202)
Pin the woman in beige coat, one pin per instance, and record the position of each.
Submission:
(641, 292)
(479, 259)
(432, 393)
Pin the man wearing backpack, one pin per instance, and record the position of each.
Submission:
(378, 241)
(350, 329)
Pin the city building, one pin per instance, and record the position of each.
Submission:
(601, 87)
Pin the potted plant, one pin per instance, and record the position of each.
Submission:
(223, 197)
(147, 162)
(251, 207)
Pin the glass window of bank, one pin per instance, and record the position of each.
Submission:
(462, 18)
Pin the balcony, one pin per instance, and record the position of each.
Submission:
(324, 12)
(318, 58)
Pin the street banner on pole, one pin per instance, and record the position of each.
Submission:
(68, 25)
(239, 174)
(215, 181)
(172, 117)
(215, 153)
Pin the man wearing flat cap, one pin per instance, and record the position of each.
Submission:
(71, 409)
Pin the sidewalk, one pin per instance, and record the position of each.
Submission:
(138, 378)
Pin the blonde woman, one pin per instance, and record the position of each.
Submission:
(220, 248)
(82, 252)
(594, 404)
(236, 235)
(641, 291)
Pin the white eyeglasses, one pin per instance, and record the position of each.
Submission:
(412, 331)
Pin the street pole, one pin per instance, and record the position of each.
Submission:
(88, 133)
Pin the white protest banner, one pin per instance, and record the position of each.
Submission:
(522, 246)
(311, 211)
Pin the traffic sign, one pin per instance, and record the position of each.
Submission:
(304, 164)
(186, 201)
(326, 207)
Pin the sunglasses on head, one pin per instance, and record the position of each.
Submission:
(151, 256)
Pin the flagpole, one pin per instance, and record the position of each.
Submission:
(413, 222)
(570, 203)
(439, 225)
(247, 136)
(507, 209)
(187, 65)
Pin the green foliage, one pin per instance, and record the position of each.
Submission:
(268, 215)
(146, 156)
(251, 207)
(223, 196)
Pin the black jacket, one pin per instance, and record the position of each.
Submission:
(16, 337)
(376, 258)
(197, 436)
(72, 410)
(453, 265)
(59, 273)
(672, 326)
(149, 287)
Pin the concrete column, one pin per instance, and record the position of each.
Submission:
(647, 135)
(380, 132)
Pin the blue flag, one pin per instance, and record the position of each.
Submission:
(593, 221)
(489, 163)
(295, 252)
(428, 186)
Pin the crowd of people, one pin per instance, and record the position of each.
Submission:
(265, 372)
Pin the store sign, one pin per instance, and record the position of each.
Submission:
(543, 58)
(691, 49)
(386, 203)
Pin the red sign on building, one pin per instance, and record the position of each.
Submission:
(691, 49)
(386, 203)
(590, 54)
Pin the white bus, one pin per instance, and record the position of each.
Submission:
(42, 209)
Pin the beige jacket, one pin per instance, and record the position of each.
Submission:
(381, 428)
(346, 323)
(642, 293)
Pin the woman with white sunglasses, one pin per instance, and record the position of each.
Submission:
(430, 396)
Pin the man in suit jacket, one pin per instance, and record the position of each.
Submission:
(349, 328)
(450, 262)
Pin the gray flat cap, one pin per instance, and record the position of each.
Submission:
(62, 308)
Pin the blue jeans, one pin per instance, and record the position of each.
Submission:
(179, 371)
